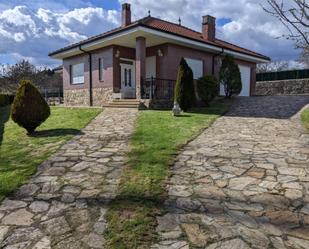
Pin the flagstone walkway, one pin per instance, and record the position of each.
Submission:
(243, 183)
(64, 203)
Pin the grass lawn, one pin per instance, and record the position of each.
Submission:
(305, 118)
(21, 154)
(155, 142)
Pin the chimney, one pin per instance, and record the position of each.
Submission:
(126, 14)
(209, 28)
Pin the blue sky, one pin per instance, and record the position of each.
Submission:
(30, 29)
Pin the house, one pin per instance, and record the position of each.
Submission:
(139, 60)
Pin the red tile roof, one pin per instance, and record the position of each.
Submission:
(192, 34)
(168, 27)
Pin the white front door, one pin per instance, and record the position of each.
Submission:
(127, 80)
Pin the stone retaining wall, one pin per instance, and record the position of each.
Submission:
(80, 97)
(282, 87)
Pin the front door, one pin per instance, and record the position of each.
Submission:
(127, 79)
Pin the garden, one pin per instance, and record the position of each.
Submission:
(21, 153)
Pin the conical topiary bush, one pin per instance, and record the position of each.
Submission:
(29, 108)
(184, 88)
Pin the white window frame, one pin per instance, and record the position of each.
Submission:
(80, 77)
(101, 69)
(196, 73)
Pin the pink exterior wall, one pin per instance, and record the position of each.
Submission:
(66, 72)
(174, 55)
(166, 65)
(106, 54)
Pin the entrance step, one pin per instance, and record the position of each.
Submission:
(123, 103)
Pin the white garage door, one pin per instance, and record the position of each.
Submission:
(196, 66)
(245, 73)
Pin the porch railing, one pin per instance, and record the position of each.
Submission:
(159, 89)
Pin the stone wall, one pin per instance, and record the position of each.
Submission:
(102, 96)
(80, 97)
(77, 97)
(282, 87)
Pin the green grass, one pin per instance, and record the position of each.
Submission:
(154, 146)
(20, 154)
(305, 118)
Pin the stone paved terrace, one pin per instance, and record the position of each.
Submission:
(63, 205)
(243, 183)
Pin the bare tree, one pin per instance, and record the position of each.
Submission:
(11, 75)
(274, 66)
(294, 15)
(304, 57)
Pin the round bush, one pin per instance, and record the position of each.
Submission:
(29, 108)
(208, 88)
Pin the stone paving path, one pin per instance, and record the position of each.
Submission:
(243, 183)
(63, 205)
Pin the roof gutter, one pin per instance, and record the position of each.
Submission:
(213, 60)
(90, 73)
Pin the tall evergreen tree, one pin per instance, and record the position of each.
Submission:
(184, 88)
(230, 77)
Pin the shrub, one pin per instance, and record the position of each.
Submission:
(4, 100)
(208, 88)
(29, 108)
(184, 88)
(229, 76)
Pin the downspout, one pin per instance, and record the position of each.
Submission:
(213, 60)
(90, 74)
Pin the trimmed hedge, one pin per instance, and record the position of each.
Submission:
(29, 108)
(208, 88)
(184, 88)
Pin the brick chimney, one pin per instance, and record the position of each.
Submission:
(209, 27)
(126, 14)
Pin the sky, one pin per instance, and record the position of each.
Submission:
(30, 29)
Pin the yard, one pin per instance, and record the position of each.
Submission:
(154, 146)
(305, 118)
(21, 154)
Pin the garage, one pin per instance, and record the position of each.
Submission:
(245, 73)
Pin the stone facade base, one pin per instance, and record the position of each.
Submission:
(77, 97)
(80, 97)
(282, 87)
(102, 96)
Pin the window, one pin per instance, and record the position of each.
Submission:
(101, 69)
(77, 73)
(196, 66)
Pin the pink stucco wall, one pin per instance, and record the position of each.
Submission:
(106, 54)
(166, 65)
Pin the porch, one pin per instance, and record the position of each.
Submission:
(143, 72)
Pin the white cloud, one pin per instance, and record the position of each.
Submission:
(25, 33)
(35, 28)
(251, 26)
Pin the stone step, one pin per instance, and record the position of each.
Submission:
(126, 100)
(123, 103)
(121, 106)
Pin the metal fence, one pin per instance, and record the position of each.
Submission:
(52, 96)
(160, 89)
(283, 75)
